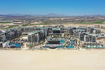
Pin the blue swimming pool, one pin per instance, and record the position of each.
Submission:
(15, 45)
(62, 41)
(70, 46)
(59, 45)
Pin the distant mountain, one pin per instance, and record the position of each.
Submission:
(53, 14)
(47, 15)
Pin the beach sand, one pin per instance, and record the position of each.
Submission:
(52, 59)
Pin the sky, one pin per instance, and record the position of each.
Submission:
(61, 7)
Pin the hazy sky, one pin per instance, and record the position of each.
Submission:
(64, 7)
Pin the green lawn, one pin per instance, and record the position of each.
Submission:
(25, 24)
(10, 27)
(5, 22)
(96, 22)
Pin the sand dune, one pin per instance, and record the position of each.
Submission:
(52, 60)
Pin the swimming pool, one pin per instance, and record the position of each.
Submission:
(62, 41)
(15, 45)
(70, 44)
(56, 45)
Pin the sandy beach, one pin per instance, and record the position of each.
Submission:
(52, 59)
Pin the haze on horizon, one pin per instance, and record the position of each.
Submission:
(61, 7)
